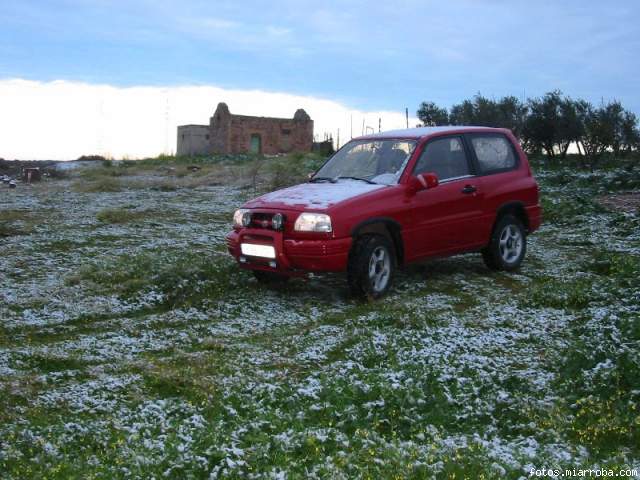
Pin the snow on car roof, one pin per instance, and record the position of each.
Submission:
(423, 131)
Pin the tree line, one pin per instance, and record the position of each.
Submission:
(547, 124)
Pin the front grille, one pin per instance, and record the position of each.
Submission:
(265, 220)
(261, 220)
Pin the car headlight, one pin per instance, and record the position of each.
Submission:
(313, 222)
(242, 218)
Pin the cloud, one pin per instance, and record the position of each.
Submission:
(220, 23)
(276, 31)
(62, 120)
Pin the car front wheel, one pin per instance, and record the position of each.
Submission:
(507, 246)
(371, 266)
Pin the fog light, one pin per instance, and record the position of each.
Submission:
(242, 259)
(272, 264)
(277, 221)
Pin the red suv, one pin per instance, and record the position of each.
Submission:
(393, 198)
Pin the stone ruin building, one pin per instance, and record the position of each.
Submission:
(228, 133)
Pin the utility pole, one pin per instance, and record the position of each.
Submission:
(362, 126)
(406, 114)
(166, 123)
(338, 141)
(379, 124)
(102, 149)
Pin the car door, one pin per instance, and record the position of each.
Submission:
(497, 165)
(447, 216)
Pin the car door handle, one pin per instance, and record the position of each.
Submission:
(469, 189)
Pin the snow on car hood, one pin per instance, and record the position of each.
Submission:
(316, 196)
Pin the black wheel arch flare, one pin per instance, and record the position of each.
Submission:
(383, 226)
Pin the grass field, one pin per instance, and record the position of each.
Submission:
(131, 346)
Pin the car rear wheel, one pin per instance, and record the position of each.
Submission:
(507, 246)
(371, 266)
(269, 278)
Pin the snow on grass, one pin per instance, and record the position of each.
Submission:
(138, 349)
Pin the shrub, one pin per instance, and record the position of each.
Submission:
(104, 184)
(569, 210)
(179, 278)
(624, 267)
(15, 222)
(91, 158)
(546, 292)
(121, 215)
(598, 379)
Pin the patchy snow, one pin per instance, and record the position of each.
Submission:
(457, 362)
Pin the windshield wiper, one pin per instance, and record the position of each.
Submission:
(322, 179)
(357, 178)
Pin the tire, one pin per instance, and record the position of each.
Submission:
(507, 246)
(269, 278)
(371, 266)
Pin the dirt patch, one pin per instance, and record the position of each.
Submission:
(626, 202)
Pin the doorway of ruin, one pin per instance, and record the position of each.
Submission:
(256, 143)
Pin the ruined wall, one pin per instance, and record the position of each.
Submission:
(227, 133)
(233, 133)
(193, 140)
(276, 135)
(220, 125)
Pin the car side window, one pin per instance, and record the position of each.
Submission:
(445, 157)
(494, 153)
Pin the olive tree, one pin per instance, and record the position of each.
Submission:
(463, 113)
(630, 133)
(512, 114)
(480, 111)
(541, 126)
(508, 112)
(431, 114)
(599, 133)
(549, 124)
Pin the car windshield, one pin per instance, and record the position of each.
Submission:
(373, 161)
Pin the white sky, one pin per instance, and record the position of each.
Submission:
(62, 120)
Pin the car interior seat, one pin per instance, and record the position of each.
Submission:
(458, 164)
(391, 161)
(438, 159)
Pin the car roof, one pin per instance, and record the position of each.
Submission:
(421, 132)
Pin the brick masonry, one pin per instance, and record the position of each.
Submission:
(228, 133)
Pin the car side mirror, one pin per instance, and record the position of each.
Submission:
(422, 181)
(431, 179)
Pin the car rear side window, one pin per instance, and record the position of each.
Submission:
(445, 157)
(494, 153)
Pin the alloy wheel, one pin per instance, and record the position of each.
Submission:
(510, 243)
(379, 268)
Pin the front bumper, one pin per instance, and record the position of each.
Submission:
(293, 256)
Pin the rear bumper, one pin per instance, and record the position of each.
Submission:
(534, 213)
(293, 256)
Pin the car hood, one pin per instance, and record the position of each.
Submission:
(313, 196)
